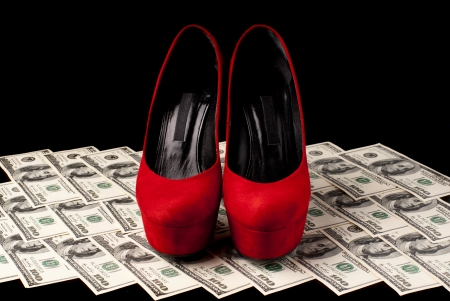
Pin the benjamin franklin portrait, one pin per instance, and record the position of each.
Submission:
(394, 167)
(417, 244)
(315, 246)
(338, 198)
(333, 166)
(34, 173)
(406, 202)
(372, 247)
(121, 170)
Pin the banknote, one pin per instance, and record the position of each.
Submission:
(126, 211)
(36, 264)
(38, 179)
(434, 257)
(8, 271)
(398, 271)
(267, 276)
(98, 270)
(117, 166)
(400, 170)
(7, 226)
(430, 217)
(211, 272)
(336, 268)
(137, 156)
(83, 178)
(222, 225)
(317, 182)
(321, 216)
(33, 222)
(157, 277)
(365, 213)
(85, 220)
(222, 151)
(321, 150)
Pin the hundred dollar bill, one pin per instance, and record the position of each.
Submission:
(33, 222)
(399, 272)
(157, 277)
(83, 178)
(8, 271)
(117, 166)
(137, 156)
(36, 264)
(336, 268)
(317, 182)
(267, 276)
(222, 225)
(38, 179)
(400, 170)
(99, 271)
(315, 152)
(320, 216)
(434, 257)
(365, 213)
(431, 217)
(211, 272)
(222, 151)
(85, 220)
(127, 212)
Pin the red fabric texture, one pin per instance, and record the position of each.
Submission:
(266, 219)
(180, 215)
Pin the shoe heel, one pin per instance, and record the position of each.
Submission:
(266, 245)
(181, 241)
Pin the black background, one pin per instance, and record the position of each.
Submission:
(365, 77)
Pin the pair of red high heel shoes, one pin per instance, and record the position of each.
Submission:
(266, 185)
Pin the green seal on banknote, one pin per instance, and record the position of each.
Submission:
(53, 188)
(110, 266)
(94, 218)
(380, 215)
(362, 180)
(411, 269)
(104, 185)
(345, 267)
(315, 212)
(425, 182)
(273, 267)
(313, 175)
(46, 221)
(138, 213)
(170, 272)
(50, 263)
(438, 220)
(222, 211)
(223, 270)
(3, 260)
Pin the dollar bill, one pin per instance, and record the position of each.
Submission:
(83, 178)
(157, 277)
(399, 272)
(336, 268)
(365, 213)
(431, 217)
(117, 166)
(85, 220)
(8, 271)
(320, 216)
(222, 152)
(98, 270)
(434, 257)
(38, 179)
(400, 170)
(317, 182)
(137, 156)
(36, 264)
(267, 276)
(222, 225)
(127, 212)
(321, 150)
(211, 272)
(33, 222)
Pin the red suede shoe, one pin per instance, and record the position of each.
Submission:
(266, 181)
(179, 181)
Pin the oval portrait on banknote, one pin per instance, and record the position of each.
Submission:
(417, 244)
(394, 167)
(333, 166)
(121, 170)
(372, 247)
(316, 246)
(131, 253)
(78, 170)
(34, 173)
(338, 198)
(76, 205)
(406, 202)
(20, 204)
(81, 249)
(15, 244)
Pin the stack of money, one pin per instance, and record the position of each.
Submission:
(374, 215)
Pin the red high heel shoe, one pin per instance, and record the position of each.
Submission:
(179, 181)
(266, 182)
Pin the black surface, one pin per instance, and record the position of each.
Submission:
(366, 76)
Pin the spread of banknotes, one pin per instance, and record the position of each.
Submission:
(374, 216)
